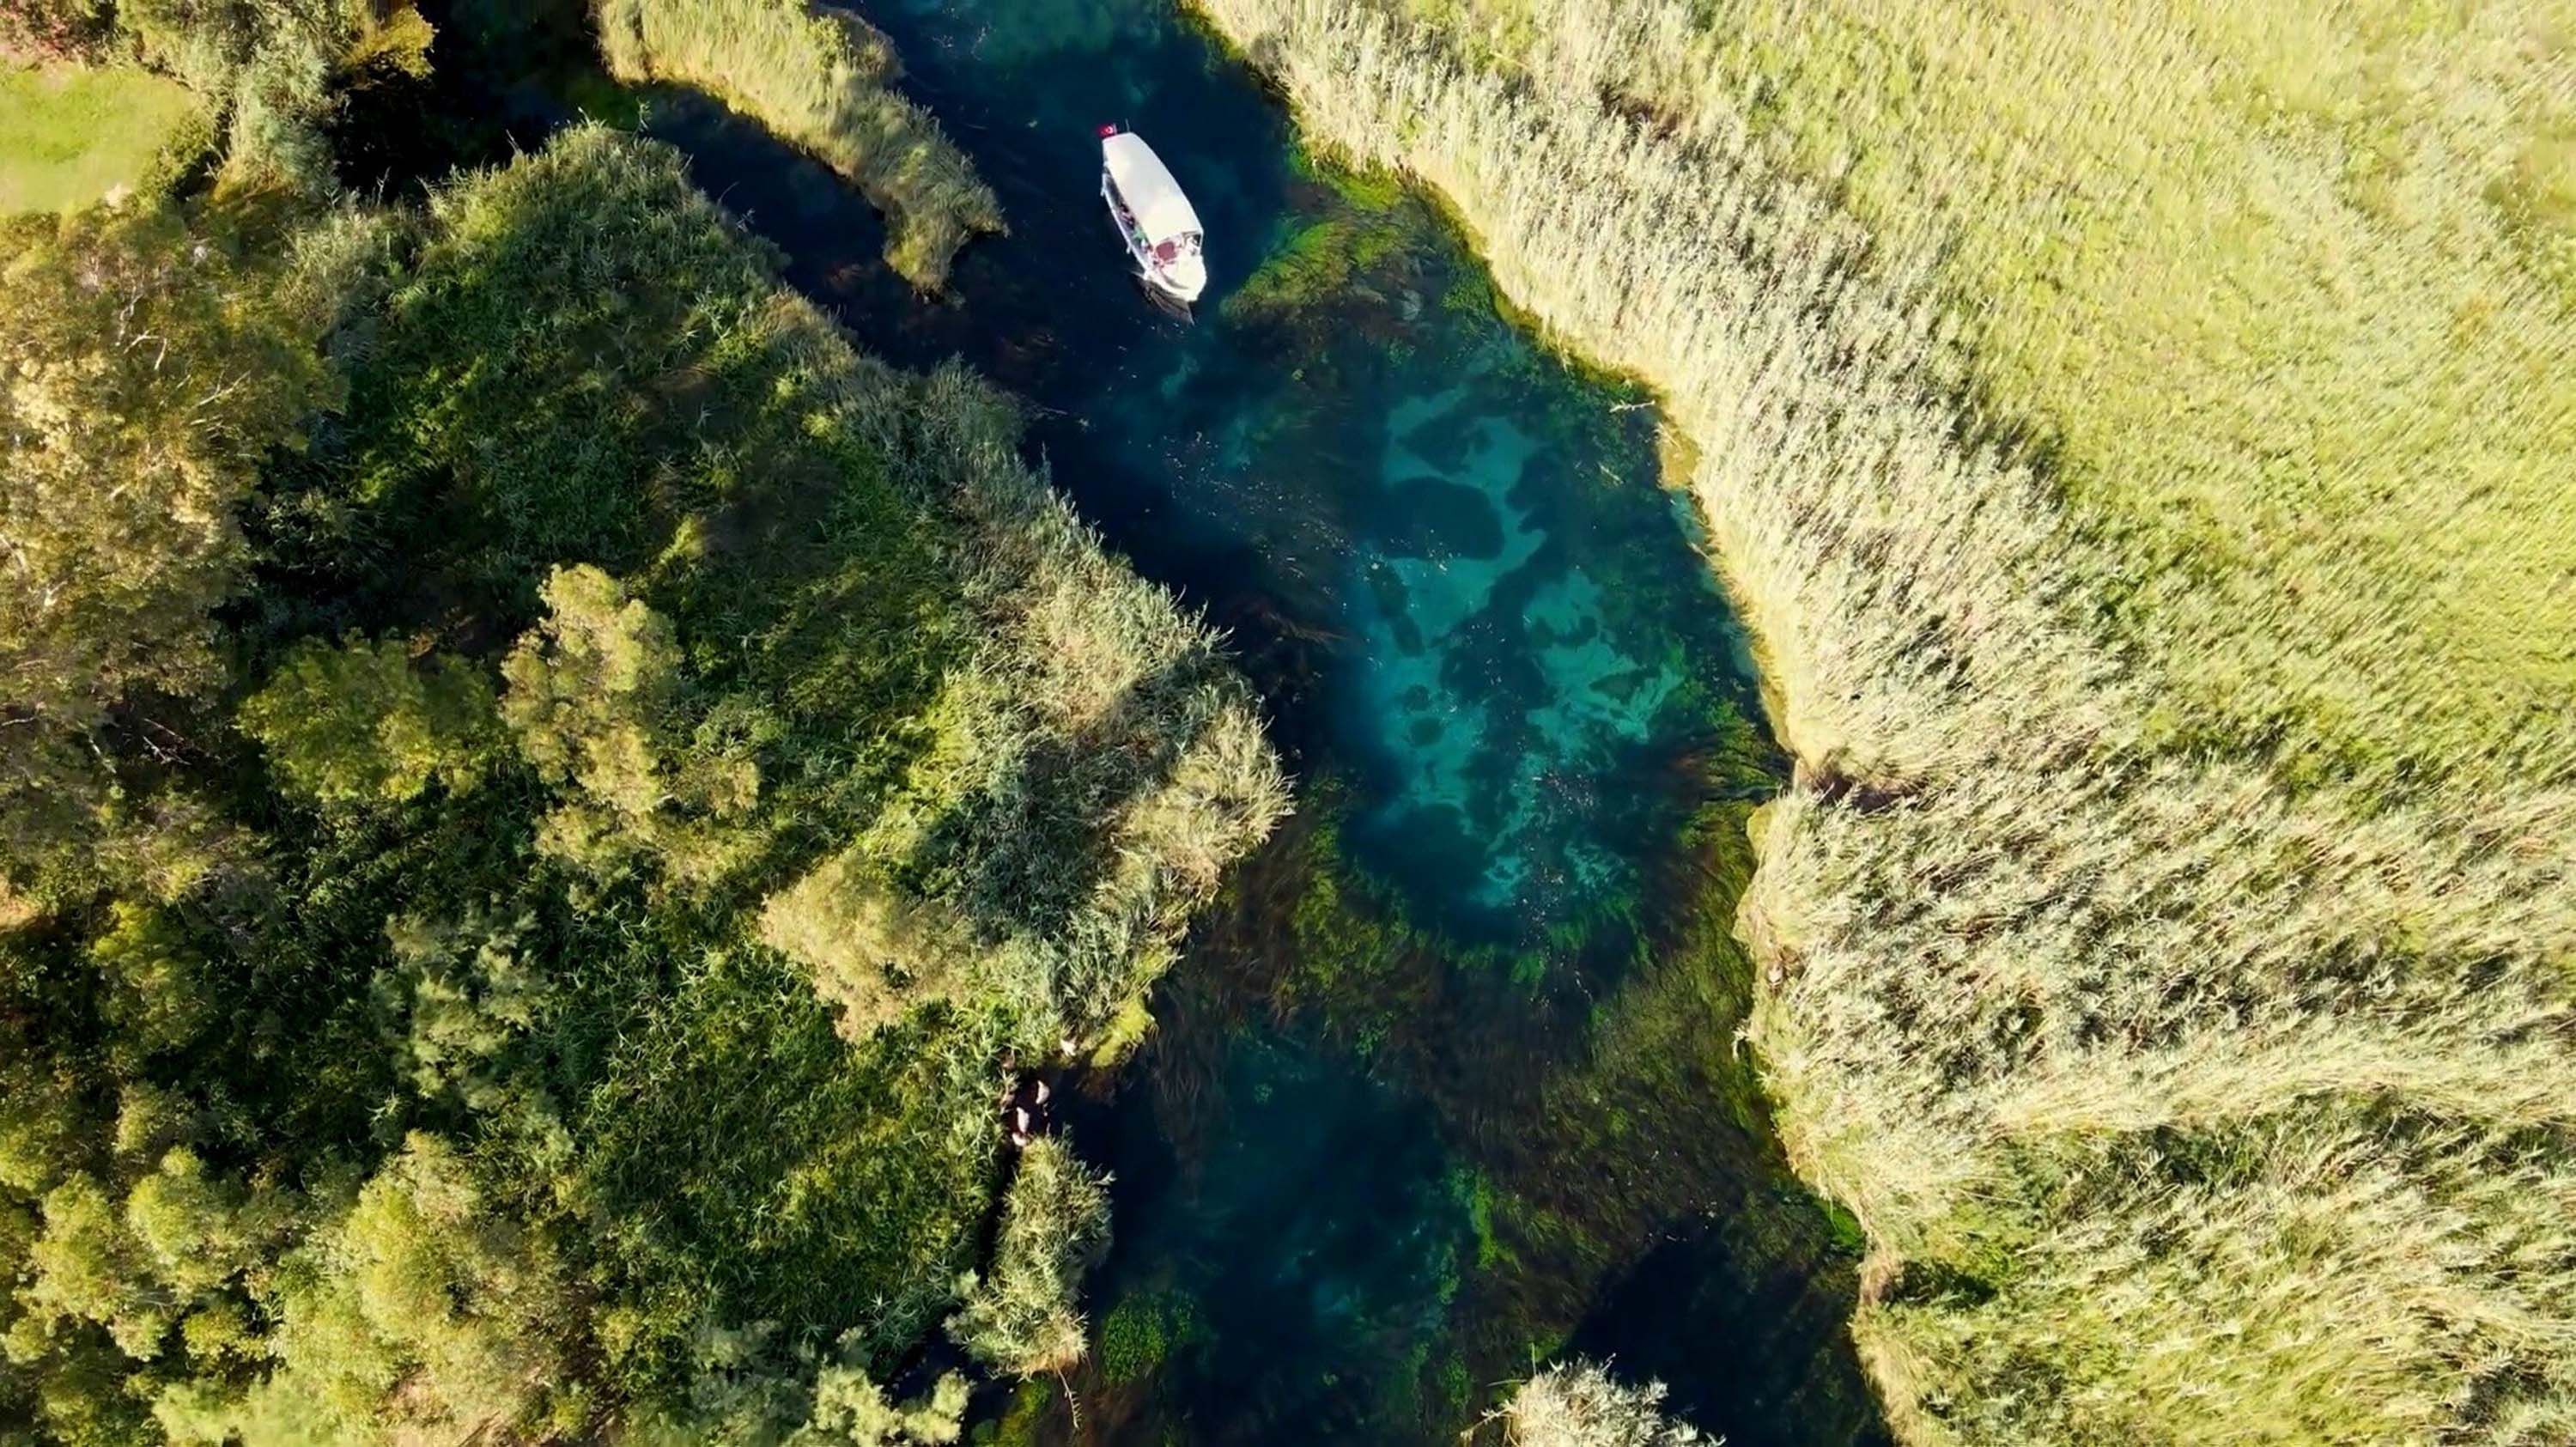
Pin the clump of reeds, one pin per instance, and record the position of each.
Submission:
(821, 78)
(1019, 1315)
(1581, 1405)
(2165, 942)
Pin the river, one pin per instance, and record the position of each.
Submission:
(1448, 1086)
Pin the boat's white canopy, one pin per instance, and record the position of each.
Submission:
(1152, 196)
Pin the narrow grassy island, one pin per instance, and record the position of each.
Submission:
(820, 78)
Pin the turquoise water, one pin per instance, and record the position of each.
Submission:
(1376, 472)
(1376, 1159)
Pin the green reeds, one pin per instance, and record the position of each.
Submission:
(819, 77)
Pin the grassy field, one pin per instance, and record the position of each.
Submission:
(70, 136)
(2137, 437)
(820, 78)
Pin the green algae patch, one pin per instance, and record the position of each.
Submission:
(1144, 1330)
(1362, 231)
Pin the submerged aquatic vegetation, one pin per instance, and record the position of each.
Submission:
(1141, 1332)
(1364, 222)
(822, 79)
(1619, 1054)
(2163, 943)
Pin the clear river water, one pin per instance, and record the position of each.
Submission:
(1448, 1086)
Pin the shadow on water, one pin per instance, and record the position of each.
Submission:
(1446, 1087)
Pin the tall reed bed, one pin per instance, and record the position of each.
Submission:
(2165, 960)
(820, 78)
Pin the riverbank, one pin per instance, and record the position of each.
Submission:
(2094, 994)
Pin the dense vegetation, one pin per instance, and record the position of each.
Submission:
(2139, 440)
(819, 77)
(541, 787)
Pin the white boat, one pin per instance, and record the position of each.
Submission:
(1153, 217)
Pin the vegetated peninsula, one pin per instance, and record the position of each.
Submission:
(819, 77)
(542, 789)
(2140, 439)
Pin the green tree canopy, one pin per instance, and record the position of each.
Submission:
(143, 375)
(598, 699)
(361, 722)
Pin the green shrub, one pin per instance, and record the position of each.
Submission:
(359, 722)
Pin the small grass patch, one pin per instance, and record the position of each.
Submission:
(70, 137)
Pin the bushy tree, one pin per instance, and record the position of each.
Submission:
(1020, 1317)
(143, 375)
(361, 722)
(172, 1257)
(421, 1284)
(876, 951)
(86, 1266)
(200, 1229)
(597, 698)
(155, 973)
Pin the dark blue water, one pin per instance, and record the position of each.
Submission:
(1378, 1158)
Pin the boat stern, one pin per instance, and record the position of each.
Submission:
(1184, 277)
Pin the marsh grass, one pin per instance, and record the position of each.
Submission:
(2165, 941)
(820, 78)
(1582, 1405)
